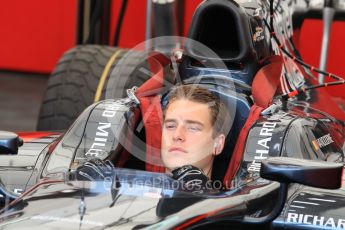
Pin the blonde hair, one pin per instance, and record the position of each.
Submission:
(220, 117)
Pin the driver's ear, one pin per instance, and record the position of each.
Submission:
(219, 142)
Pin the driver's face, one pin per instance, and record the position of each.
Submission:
(187, 135)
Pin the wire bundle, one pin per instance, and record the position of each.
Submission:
(339, 80)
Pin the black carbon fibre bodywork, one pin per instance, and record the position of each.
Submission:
(271, 136)
(19, 172)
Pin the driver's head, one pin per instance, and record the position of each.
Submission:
(194, 129)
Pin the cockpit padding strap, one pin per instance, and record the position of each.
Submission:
(153, 121)
(155, 84)
(237, 156)
(264, 87)
(151, 111)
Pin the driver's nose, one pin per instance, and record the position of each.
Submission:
(179, 133)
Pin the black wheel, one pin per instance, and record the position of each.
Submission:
(73, 84)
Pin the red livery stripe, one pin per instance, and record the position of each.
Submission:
(29, 136)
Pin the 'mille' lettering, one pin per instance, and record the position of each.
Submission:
(101, 127)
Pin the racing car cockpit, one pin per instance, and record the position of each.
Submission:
(113, 129)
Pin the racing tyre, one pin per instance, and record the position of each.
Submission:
(73, 84)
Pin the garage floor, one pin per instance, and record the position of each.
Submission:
(20, 99)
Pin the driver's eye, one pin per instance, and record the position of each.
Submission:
(194, 128)
(170, 125)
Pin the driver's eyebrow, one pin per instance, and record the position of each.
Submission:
(169, 120)
(186, 121)
(194, 122)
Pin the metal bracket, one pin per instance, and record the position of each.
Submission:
(131, 95)
(271, 109)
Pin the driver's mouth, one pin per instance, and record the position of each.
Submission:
(177, 150)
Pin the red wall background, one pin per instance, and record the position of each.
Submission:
(133, 28)
(310, 44)
(310, 48)
(35, 33)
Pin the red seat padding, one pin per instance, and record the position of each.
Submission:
(237, 155)
(266, 81)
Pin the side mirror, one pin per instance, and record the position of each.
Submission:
(318, 174)
(9, 142)
(291, 170)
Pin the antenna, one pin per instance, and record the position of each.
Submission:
(82, 207)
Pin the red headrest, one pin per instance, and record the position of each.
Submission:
(266, 81)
